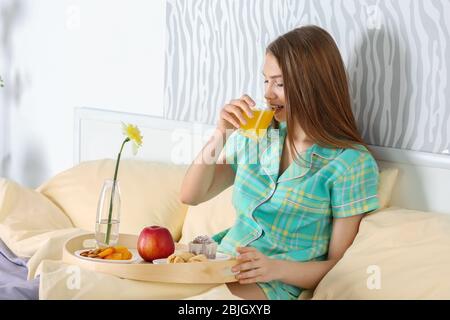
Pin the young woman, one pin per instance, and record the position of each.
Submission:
(299, 209)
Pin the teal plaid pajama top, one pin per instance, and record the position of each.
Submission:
(289, 217)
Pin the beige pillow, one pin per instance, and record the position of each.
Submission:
(388, 177)
(25, 213)
(209, 217)
(149, 194)
(397, 254)
(219, 214)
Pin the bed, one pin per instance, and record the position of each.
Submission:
(418, 205)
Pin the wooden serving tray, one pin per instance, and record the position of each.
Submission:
(196, 272)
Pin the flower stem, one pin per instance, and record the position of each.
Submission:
(108, 231)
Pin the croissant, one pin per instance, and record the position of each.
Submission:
(184, 257)
(198, 258)
(178, 260)
(171, 258)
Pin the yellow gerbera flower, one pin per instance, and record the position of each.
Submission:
(132, 132)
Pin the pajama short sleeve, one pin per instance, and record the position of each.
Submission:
(355, 191)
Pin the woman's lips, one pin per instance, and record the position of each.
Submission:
(277, 109)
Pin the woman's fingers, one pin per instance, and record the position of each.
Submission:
(249, 256)
(253, 266)
(249, 100)
(228, 117)
(246, 249)
(251, 276)
(236, 111)
(246, 261)
(245, 266)
(232, 114)
(244, 106)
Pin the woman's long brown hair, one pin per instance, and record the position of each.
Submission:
(316, 88)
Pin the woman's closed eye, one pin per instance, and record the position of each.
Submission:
(280, 85)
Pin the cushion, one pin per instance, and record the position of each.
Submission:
(397, 254)
(388, 177)
(25, 213)
(209, 217)
(149, 194)
(218, 213)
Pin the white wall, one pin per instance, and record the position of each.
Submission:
(58, 55)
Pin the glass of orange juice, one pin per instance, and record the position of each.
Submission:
(256, 127)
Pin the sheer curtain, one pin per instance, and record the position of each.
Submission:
(4, 134)
(11, 11)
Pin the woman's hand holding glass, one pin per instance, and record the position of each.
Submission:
(233, 115)
(253, 266)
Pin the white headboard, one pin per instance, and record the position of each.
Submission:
(423, 182)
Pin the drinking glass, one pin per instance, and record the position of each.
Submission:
(256, 127)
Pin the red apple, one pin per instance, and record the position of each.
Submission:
(155, 242)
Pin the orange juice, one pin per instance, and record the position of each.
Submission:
(256, 127)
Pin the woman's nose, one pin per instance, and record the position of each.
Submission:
(269, 94)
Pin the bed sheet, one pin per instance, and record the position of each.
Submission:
(13, 277)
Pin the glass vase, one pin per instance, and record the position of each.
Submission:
(108, 215)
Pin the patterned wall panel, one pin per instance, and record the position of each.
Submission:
(396, 52)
